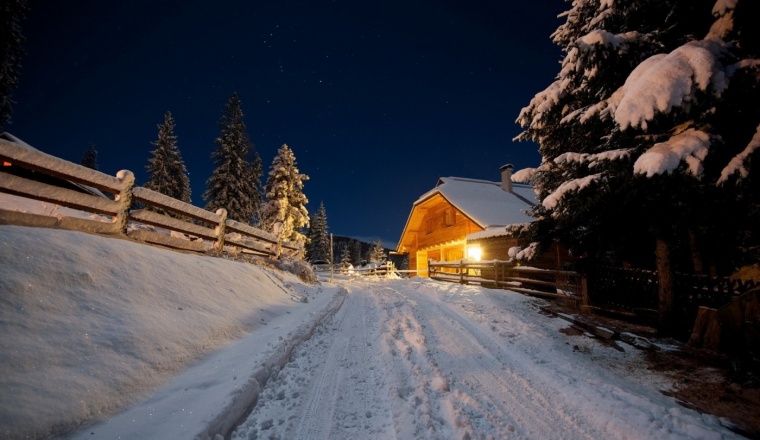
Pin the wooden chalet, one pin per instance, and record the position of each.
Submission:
(442, 219)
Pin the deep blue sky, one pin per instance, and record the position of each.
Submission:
(377, 99)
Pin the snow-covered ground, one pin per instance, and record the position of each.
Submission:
(156, 344)
(419, 359)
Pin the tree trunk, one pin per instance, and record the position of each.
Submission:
(696, 256)
(665, 281)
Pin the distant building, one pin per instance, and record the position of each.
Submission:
(465, 218)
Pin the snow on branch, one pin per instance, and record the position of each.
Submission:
(667, 81)
(540, 104)
(575, 17)
(690, 146)
(520, 254)
(525, 175)
(600, 36)
(552, 200)
(736, 165)
(592, 159)
(572, 65)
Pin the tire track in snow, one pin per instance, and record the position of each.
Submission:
(415, 382)
(332, 388)
(317, 415)
(485, 373)
(345, 404)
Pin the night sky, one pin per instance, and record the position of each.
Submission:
(377, 99)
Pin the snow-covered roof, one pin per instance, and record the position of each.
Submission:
(494, 231)
(485, 202)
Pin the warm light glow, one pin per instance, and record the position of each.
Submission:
(474, 253)
(6, 164)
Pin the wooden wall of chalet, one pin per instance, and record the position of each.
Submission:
(443, 223)
(439, 223)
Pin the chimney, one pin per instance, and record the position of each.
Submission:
(506, 177)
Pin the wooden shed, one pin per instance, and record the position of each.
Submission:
(443, 218)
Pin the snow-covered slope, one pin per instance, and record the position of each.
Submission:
(90, 325)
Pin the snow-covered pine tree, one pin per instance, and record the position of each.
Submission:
(233, 184)
(630, 132)
(90, 157)
(12, 14)
(284, 212)
(166, 169)
(377, 254)
(345, 256)
(318, 247)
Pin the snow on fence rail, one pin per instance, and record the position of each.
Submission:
(87, 192)
(503, 274)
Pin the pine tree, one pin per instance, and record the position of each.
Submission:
(318, 247)
(356, 252)
(284, 212)
(404, 263)
(345, 257)
(167, 171)
(90, 157)
(630, 132)
(12, 14)
(233, 184)
(256, 196)
(377, 254)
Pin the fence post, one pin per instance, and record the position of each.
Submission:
(127, 180)
(584, 293)
(221, 229)
(278, 247)
(462, 268)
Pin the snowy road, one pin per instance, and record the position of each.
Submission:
(417, 359)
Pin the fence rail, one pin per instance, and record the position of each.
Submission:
(503, 274)
(382, 269)
(206, 230)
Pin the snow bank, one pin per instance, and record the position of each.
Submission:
(91, 325)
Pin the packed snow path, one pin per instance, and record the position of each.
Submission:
(417, 359)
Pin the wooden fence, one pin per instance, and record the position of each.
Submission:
(113, 197)
(555, 284)
(629, 293)
(635, 292)
(380, 269)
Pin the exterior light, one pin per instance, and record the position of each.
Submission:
(474, 253)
